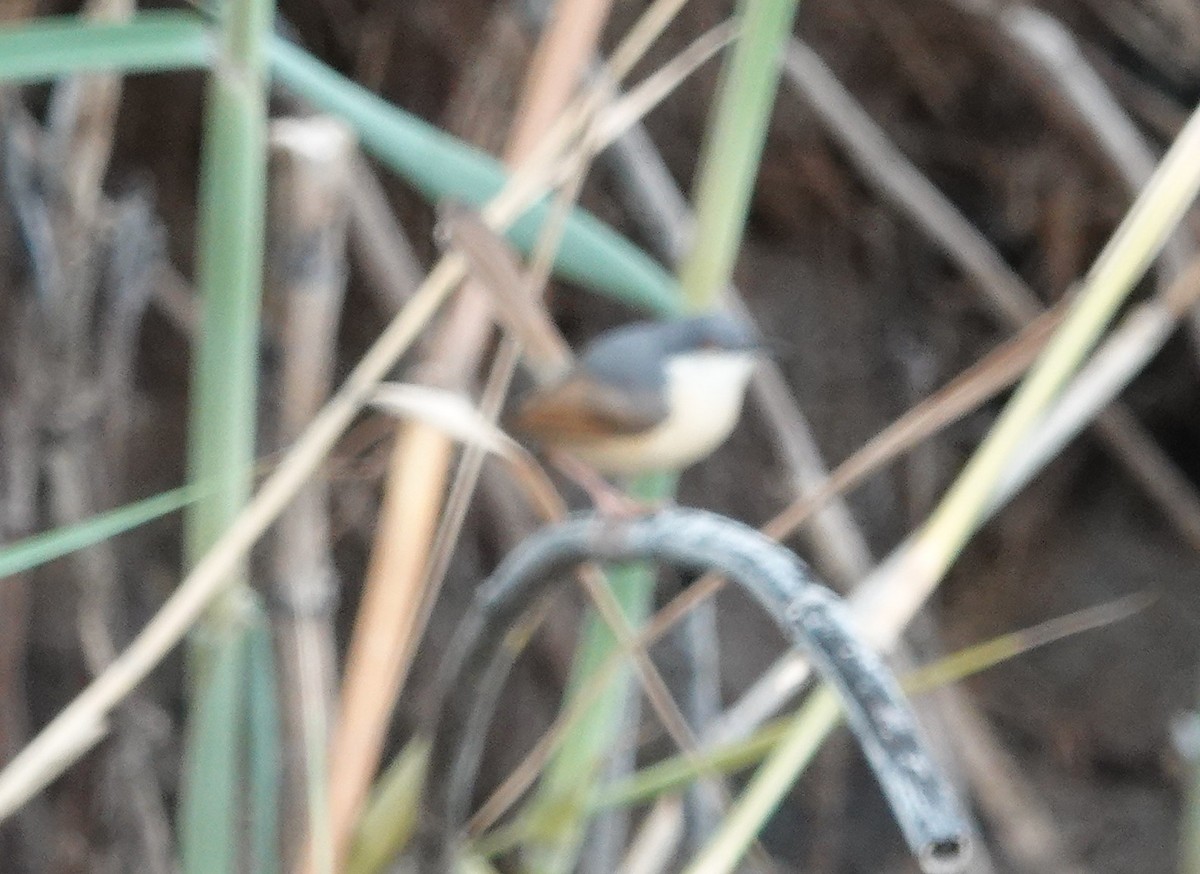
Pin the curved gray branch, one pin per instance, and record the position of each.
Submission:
(809, 614)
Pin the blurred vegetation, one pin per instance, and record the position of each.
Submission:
(210, 215)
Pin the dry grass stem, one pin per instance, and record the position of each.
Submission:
(379, 243)
(309, 211)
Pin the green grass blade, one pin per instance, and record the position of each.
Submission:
(805, 732)
(391, 816)
(804, 736)
(221, 441)
(47, 48)
(41, 548)
(559, 812)
(229, 277)
(474, 865)
(679, 772)
(212, 758)
(433, 162)
(1159, 208)
(264, 734)
(438, 166)
(733, 147)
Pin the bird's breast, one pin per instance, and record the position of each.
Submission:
(705, 393)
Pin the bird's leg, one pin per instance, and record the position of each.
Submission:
(607, 498)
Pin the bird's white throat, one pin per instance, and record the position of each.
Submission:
(705, 390)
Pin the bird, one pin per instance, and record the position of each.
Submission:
(646, 397)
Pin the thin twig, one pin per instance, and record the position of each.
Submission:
(1068, 79)
(379, 243)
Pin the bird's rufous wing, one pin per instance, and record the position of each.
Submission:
(580, 409)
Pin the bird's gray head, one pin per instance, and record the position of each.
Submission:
(635, 356)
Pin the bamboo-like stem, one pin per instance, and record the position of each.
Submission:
(229, 276)
(310, 205)
(560, 805)
(729, 164)
(222, 430)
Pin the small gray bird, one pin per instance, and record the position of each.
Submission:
(649, 396)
